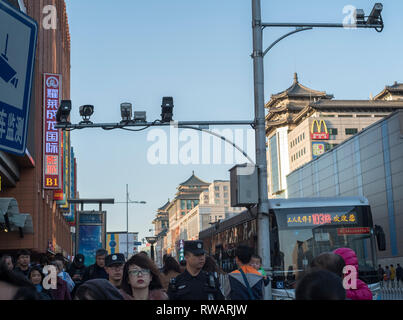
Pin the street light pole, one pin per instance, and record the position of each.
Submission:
(127, 220)
(263, 223)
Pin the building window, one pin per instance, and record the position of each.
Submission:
(303, 135)
(183, 204)
(225, 194)
(216, 188)
(189, 204)
(345, 115)
(195, 203)
(225, 188)
(351, 131)
(225, 201)
(333, 131)
(217, 195)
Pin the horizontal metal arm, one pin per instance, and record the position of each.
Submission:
(322, 25)
(151, 124)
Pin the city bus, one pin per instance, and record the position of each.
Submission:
(300, 229)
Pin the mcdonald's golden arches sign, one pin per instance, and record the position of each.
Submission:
(321, 132)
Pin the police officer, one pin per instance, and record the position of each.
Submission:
(114, 268)
(194, 283)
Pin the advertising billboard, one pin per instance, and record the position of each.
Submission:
(51, 136)
(116, 242)
(90, 241)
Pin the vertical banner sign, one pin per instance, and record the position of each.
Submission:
(51, 135)
(66, 170)
(70, 216)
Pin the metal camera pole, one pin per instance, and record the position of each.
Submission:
(263, 223)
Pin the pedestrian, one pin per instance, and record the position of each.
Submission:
(171, 269)
(392, 275)
(194, 283)
(23, 262)
(64, 275)
(329, 261)
(381, 272)
(212, 266)
(256, 262)
(114, 264)
(97, 289)
(141, 280)
(97, 270)
(36, 277)
(399, 275)
(246, 282)
(7, 262)
(15, 286)
(386, 277)
(358, 290)
(62, 291)
(320, 284)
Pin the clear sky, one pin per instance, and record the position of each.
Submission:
(199, 53)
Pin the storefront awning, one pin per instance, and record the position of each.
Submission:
(13, 219)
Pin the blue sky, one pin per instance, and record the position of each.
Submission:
(199, 53)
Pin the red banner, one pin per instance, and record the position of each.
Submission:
(51, 135)
(347, 231)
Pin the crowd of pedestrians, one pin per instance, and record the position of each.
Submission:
(391, 277)
(197, 277)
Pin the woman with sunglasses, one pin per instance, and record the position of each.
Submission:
(141, 280)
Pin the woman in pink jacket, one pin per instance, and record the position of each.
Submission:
(362, 291)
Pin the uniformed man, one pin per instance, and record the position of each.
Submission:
(114, 267)
(194, 283)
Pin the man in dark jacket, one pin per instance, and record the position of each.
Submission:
(97, 270)
(246, 282)
(23, 263)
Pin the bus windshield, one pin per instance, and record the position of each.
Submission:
(304, 233)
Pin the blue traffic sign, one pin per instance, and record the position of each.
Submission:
(18, 37)
(137, 243)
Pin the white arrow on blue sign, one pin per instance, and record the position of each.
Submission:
(18, 37)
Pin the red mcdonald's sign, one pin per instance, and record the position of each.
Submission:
(319, 134)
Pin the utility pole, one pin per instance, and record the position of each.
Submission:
(127, 221)
(263, 223)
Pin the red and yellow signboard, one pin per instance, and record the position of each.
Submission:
(51, 136)
(319, 134)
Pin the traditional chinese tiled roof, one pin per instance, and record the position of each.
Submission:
(165, 206)
(194, 181)
(297, 91)
(395, 89)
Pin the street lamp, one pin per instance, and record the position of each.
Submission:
(263, 223)
(127, 216)
(152, 241)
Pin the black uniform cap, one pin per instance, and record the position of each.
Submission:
(195, 247)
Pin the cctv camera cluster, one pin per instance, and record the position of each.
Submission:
(126, 110)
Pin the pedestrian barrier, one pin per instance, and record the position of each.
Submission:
(391, 294)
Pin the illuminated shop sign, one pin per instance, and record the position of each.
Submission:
(315, 219)
(319, 134)
(51, 135)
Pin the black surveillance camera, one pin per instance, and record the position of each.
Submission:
(167, 109)
(86, 112)
(63, 113)
(375, 15)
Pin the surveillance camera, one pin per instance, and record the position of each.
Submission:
(375, 15)
(126, 111)
(86, 110)
(63, 112)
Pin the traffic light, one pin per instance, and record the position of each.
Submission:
(167, 109)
